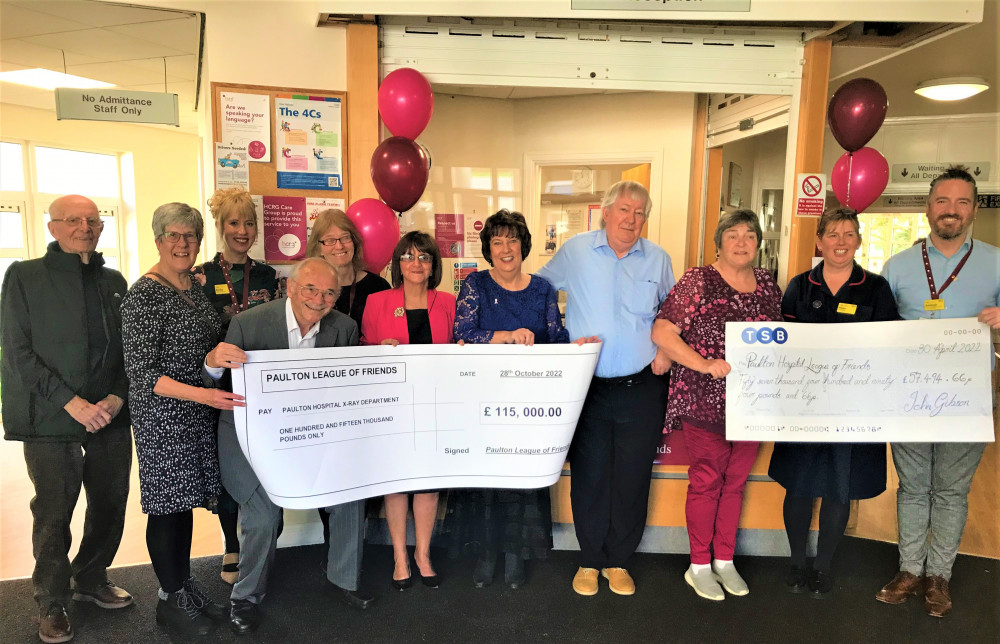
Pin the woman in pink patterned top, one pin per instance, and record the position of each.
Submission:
(691, 328)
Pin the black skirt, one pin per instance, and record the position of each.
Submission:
(837, 471)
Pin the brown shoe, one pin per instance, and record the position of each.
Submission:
(54, 625)
(902, 586)
(107, 595)
(937, 599)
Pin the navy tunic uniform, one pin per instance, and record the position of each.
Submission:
(839, 471)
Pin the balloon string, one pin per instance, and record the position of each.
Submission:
(850, 173)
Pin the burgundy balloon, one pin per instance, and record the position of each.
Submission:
(856, 112)
(399, 171)
(379, 229)
(405, 102)
(859, 178)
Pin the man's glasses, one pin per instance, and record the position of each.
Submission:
(92, 222)
(344, 240)
(311, 291)
(173, 237)
(423, 258)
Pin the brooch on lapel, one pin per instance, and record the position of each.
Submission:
(399, 312)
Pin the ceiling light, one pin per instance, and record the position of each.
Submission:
(952, 89)
(48, 79)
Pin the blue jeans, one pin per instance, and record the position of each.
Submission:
(932, 502)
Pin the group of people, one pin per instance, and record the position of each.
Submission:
(167, 346)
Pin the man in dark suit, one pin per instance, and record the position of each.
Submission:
(306, 319)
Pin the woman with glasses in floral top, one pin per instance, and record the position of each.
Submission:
(413, 312)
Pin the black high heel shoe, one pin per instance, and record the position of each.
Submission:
(404, 583)
(431, 581)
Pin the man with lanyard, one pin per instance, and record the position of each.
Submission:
(615, 281)
(948, 275)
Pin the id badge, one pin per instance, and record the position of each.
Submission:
(849, 309)
(221, 289)
(934, 305)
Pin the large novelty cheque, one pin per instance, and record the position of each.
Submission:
(327, 426)
(870, 382)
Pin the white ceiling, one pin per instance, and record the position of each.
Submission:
(969, 51)
(157, 50)
(151, 50)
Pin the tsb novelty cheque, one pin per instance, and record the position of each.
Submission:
(327, 426)
(867, 382)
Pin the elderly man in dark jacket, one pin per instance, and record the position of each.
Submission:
(64, 391)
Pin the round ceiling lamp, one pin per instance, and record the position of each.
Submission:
(952, 89)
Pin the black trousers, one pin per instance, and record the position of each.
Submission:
(611, 460)
(101, 465)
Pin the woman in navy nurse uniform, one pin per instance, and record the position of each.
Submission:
(837, 290)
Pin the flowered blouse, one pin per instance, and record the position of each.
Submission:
(700, 305)
(263, 286)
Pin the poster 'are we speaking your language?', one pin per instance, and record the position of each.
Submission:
(308, 140)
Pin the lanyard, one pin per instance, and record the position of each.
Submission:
(935, 294)
(237, 308)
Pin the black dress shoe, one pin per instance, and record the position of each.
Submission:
(513, 571)
(403, 584)
(244, 616)
(797, 580)
(820, 584)
(482, 574)
(353, 598)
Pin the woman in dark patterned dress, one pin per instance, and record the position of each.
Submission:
(691, 329)
(836, 290)
(504, 306)
(168, 328)
(233, 282)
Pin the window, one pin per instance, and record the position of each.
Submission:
(885, 234)
(33, 176)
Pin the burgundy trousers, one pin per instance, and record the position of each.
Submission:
(717, 476)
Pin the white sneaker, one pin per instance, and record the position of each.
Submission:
(730, 579)
(704, 584)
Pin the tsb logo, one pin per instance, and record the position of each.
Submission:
(765, 335)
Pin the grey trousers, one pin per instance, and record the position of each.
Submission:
(259, 519)
(101, 466)
(932, 502)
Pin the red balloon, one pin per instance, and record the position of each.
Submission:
(859, 178)
(379, 230)
(856, 112)
(399, 171)
(406, 102)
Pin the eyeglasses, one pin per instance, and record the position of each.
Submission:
(311, 291)
(332, 241)
(92, 222)
(423, 258)
(173, 237)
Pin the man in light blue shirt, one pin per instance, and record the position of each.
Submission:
(949, 275)
(615, 281)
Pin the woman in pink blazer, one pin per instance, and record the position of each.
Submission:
(413, 312)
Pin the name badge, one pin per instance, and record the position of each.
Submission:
(849, 309)
(221, 289)
(934, 305)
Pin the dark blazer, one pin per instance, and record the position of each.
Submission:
(262, 328)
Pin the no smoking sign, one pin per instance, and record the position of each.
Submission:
(810, 197)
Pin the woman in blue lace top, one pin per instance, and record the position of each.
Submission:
(504, 306)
